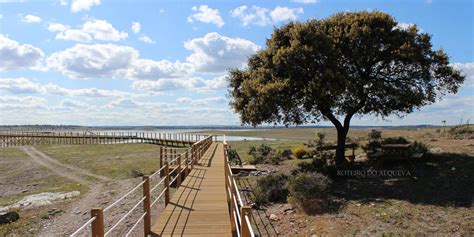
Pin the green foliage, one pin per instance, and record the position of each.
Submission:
(300, 152)
(233, 156)
(395, 140)
(271, 188)
(375, 141)
(264, 154)
(286, 154)
(419, 147)
(351, 63)
(309, 191)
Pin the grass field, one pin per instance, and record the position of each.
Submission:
(117, 161)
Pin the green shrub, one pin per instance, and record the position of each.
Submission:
(286, 154)
(233, 156)
(309, 191)
(263, 154)
(271, 188)
(375, 141)
(395, 140)
(300, 152)
(419, 147)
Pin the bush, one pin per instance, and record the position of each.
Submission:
(135, 173)
(299, 152)
(375, 141)
(395, 140)
(286, 154)
(263, 154)
(271, 188)
(309, 191)
(233, 156)
(419, 147)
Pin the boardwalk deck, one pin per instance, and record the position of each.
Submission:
(199, 206)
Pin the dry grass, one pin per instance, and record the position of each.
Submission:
(437, 198)
(117, 161)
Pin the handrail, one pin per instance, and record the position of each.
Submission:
(239, 213)
(123, 197)
(83, 226)
(97, 221)
(41, 137)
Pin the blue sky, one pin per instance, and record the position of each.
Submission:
(104, 62)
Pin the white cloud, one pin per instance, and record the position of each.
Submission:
(184, 100)
(169, 84)
(73, 104)
(23, 85)
(63, 2)
(468, 70)
(216, 53)
(146, 69)
(57, 27)
(256, 15)
(102, 30)
(74, 35)
(21, 102)
(123, 103)
(262, 16)
(305, 1)
(15, 56)
(31, 19)
(111, 61)
(136, 27)
(146, 39)
(280, 14)
(83, 5)
(93, 61)
(204, 101)
(19, 86)
(206, 15)
(193, 83)
(405, 26)
(97, 29)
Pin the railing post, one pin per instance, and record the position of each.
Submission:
(232, 216)
(186, 172)
(178, 172)
(244, 228)
(97, 226)
(161, 161)
(167, 183)
(146, 205)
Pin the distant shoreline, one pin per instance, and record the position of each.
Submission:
(203, 127)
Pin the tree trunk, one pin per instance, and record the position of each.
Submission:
(341, 144)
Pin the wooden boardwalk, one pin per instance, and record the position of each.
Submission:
(199, 206)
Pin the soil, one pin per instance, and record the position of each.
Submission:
(65, 217)
(435, 199)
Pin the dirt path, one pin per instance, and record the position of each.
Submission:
(77, 174)
(102, 192)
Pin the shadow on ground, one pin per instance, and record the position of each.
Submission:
(445, 179)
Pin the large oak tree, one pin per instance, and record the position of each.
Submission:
(349, 64)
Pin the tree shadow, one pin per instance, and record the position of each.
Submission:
(445, 179)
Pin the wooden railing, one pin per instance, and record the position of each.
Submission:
(183, 163)
(240, 213)
(22, 138)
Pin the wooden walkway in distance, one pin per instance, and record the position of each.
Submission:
(199, 206)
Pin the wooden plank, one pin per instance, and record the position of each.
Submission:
(199, 206)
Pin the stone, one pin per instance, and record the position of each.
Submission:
(8, 217)
(273, 217)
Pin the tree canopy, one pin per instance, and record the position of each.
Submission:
(356, 63)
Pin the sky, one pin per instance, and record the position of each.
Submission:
(137, 62)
